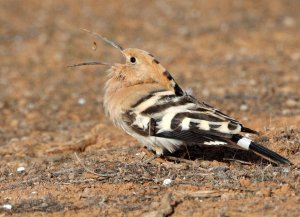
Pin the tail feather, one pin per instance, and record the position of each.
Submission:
(264, 152)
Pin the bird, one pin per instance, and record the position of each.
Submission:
(143, 99)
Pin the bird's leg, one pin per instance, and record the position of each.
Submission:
(148, 160)
(158, 152)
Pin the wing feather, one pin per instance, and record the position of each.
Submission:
(183, 118)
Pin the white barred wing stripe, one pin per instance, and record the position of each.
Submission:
(151, 101)
(244, 143)
(185, 124)
(168, 115)
(215, 143)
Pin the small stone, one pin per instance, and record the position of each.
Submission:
(244, 107)
(141, 154)
(43, 205)
(259, 194)
(7, 206)
(20, 169)
(167, 182)
(289, 21)
(291, 103)
(286, 112)
(81, 101)
(286, 170)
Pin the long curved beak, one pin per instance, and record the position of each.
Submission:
(91, 63)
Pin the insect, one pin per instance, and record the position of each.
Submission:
(142, 98)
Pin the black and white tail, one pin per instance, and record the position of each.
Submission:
(264, 152)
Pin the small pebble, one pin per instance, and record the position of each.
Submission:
(286, 112)
(140, 154)
(167, 182)
(259, 194)
(289, 21)
(43, 205)
(7, 206)
(243, 107)
(81, 101)
(20, 169)
(291, 103)
(285, 170)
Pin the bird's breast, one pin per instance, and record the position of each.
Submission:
(119, 98)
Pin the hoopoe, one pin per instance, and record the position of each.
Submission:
(142, 98)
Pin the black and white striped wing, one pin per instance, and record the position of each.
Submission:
(164, 114)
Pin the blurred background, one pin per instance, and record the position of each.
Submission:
(241, 56)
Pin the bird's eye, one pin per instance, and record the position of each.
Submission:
(132, 59)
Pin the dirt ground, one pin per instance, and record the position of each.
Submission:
(240, 56)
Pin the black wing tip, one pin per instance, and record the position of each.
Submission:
(248, 130)
(269, 154)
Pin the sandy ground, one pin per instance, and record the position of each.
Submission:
(240, 56)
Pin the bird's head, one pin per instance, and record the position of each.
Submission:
(139, 67)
